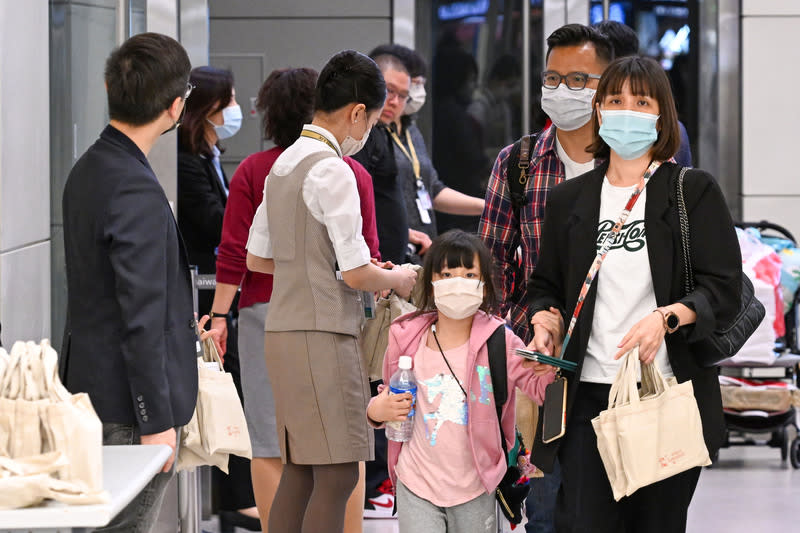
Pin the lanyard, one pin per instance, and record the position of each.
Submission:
(604, 248)
(317, 137)
(411, 156)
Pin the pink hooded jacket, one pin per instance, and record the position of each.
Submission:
(406, 333)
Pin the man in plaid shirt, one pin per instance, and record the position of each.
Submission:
(576, 57)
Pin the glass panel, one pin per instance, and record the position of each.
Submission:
(477, 88)
(668, 31)
(138, 17)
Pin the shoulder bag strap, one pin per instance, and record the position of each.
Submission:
(683, 217)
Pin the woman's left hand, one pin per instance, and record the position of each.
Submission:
(648, 333)
(215, 335)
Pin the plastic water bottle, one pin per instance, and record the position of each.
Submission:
(403, 381)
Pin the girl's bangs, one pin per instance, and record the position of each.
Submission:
(637, 78)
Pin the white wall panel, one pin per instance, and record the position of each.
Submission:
(770, 108)
(25, 289)
(782, 210)
(24, 124)
(770, 7)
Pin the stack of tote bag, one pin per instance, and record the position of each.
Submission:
(218, 427)
(651, 434)
(50, 440)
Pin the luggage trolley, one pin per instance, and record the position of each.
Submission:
(776, 424)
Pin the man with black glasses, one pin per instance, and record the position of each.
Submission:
(130, 339)
(577, 55)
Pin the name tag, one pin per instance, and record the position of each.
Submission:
(424, 215)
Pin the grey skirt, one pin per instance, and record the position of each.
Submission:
(321, 395)
(259, 407)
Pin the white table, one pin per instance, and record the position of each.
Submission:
(126, 471)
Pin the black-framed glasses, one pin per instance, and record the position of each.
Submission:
(403, 96)
(573, 80)
(189, 89)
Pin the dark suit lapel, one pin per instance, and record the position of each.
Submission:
(582, 233)
(215, 181)
(658, 210)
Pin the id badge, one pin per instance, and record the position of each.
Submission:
(368, 297)
(424, 198)
(424, 216)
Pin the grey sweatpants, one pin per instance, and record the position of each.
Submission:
(416, 514)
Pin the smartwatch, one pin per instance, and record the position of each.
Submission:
(671, 320)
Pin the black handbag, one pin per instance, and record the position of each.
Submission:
(725, 342)
(512, 490)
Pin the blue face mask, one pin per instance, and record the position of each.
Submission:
(231, 122)
(629, 133)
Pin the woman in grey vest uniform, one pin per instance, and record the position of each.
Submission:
(307, 232)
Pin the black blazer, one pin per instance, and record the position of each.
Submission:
(130, 337)
(201, 208)
(568, 247)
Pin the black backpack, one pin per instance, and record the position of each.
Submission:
(509, 494)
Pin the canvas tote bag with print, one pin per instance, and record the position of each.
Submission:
(218, 427)
(650, 434)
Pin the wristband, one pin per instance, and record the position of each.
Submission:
(214, 314)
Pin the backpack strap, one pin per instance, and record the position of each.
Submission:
(519, 159)
(496, 345)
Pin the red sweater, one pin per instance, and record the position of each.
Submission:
(246, 193)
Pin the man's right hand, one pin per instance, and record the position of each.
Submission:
(167, 437)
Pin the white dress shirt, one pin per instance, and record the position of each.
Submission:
(331, 195)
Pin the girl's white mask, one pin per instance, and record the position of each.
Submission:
(458, 297)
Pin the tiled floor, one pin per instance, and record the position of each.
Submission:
(748, 491)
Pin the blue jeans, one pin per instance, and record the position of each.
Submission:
(541, 502)
(140, 515)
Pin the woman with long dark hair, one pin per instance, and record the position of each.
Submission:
(211, 117)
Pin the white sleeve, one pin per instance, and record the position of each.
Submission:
(331, 195)
(258, 242)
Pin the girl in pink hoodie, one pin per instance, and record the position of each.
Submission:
(446, 474)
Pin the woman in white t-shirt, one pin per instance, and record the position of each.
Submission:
(637, 297)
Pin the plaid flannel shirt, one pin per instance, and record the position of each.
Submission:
(503, 234)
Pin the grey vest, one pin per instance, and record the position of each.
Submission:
(306, 295)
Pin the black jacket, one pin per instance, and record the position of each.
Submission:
(568, 247)
(130, 337)
(391, 217)
(201, 207)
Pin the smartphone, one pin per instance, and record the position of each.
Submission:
(539, 357)
(554, 410)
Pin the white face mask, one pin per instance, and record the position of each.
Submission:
(416, 94)
(350, 146)
(458, 297)
(231, 122)
(568, 109)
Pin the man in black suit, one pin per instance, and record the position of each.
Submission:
(130, 339)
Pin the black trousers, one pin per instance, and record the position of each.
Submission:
(585, 502)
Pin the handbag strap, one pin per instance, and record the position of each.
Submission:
(603, 252)
(683, 217)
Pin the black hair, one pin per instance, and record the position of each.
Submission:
(623, 38)
(453, 249)
(454, 67)
(414, 63)
(144, 76)
(213, 90)
(350, 77)
(577, 34)
(286, 100)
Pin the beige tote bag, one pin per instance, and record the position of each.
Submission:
(658, 430)
(218, 427)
